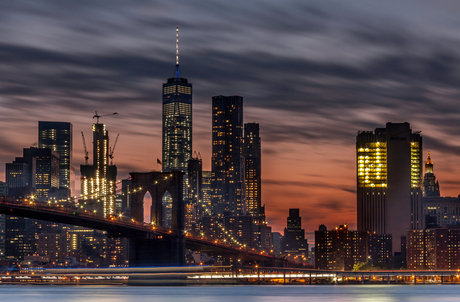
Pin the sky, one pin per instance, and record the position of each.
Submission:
(312, 74)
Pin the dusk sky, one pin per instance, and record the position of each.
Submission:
(312, 73)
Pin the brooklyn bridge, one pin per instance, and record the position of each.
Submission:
(149, 243)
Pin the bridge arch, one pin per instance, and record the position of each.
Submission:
(158, 184)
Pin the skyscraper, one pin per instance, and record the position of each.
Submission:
(177, 120)
(294, 236)
(57, 136)
(252, 171)
(227, 158)
(194, 208)
(98, 180)
(389, 173)
(430, 185)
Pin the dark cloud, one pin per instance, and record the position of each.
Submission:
(311, 73)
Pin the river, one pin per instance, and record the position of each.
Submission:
(243, 293)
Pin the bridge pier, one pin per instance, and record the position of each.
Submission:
(159, 252)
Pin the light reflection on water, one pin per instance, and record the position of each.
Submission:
(282, 293)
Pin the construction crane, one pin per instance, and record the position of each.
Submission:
(86, 151)
(97, 116)
(112, 149)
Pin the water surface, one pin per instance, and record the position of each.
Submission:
(250, 293)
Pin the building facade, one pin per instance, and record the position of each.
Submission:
(57, 136)
(252, 171)
(389, 174)
(227, 155)
(37, 171)
(340, 248)
(193, 207)
(433, 249)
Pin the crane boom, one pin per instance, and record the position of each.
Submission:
(86, 151)
(97, 116)
(112, 149)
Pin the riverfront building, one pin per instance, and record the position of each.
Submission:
(389, 174)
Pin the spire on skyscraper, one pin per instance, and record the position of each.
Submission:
(177, 72)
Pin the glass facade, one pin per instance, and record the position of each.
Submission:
(227, 155)
(177, 124)
(57, 136)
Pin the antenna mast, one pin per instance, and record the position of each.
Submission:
(177, 45)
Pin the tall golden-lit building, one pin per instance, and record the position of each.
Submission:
(389, 176)
(252, 171)
(98, 180)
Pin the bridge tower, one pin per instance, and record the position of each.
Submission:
(162, 251)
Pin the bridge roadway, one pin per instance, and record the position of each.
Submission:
(123, 227)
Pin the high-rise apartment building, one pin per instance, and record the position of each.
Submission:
(177, 120)
(227, 155)
(57, 136)
(252, 171)
(340, 248)
(389, 178)
(433, 249)
(98, 181)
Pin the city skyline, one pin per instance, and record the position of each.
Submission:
(311, 75)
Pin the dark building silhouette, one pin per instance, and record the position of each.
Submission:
(194, 209)
(177, 120)
(389, 173)
(57, 136)
(430, 184)
(227, 157)
(294, 236)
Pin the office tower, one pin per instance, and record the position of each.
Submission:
(194, 209)
(177, 120)
(340, 248)
(430, 185)
(227, 158)
(98, 180)
(58, 137)
(206, 193)
(252, 171)
(389, 173)
(294, 236)
(37, 170)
